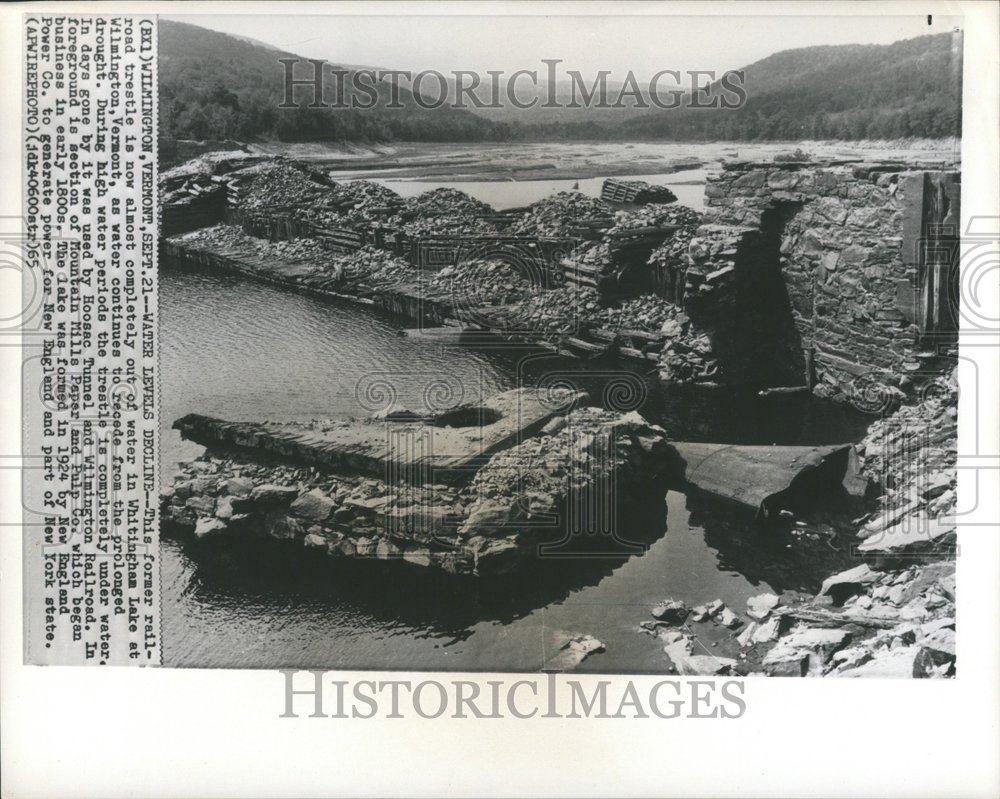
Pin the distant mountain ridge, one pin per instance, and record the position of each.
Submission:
(911, 88)
(216, 86)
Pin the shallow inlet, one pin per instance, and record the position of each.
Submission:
(241, 350)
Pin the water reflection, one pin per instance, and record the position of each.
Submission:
(424, 599)
(238, 350)
(765, 554)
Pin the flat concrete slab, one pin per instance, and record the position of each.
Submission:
(445, 448)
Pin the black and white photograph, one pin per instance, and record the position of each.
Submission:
(655, 374)
(538, 398)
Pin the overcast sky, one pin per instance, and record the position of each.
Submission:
(617, 43)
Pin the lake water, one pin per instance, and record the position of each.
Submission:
(688, 186)
(513, 175)
(238, 350)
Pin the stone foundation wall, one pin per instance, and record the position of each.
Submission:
(815, 274)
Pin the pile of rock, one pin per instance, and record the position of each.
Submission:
(374, 267)
(656, 215)
(512, 501)
(687, 355)
(864, 623)
(230, 239)
(446, 202)
(557, 312)
(341, 516)
(896, 620)
(559, 214)
(482, 283)
(648, 313)
(281, 183)
(362, 201)
(507, 508)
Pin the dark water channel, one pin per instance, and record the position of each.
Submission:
(239, 350)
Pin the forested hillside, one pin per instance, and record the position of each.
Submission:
(909, 88)
(215, 86)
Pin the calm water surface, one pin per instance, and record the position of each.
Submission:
(688, 186)
(239, 350)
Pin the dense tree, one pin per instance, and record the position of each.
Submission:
(214, 86)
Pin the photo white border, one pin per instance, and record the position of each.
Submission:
(128, 732)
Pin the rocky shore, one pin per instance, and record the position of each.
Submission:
(891, 615)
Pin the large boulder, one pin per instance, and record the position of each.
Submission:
(671, 611)
(271, 494)
(314, 505)
(846, 584)
(760, 607)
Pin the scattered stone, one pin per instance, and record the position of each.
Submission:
(760, 607)
(574, 649)
(208, 527)
(728, 619)
(671, 611)
(848, 583)
(314, 505)
(681, 655)
(814, 645)
(271, 494)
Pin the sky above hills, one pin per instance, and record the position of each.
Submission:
(644, 45)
